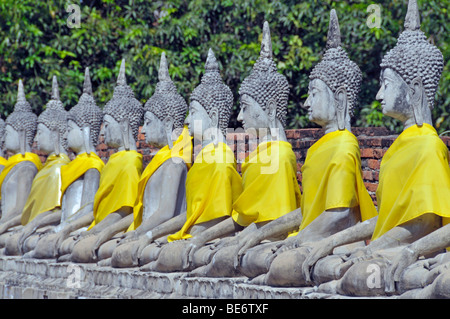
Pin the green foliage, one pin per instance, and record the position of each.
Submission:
(36, 43)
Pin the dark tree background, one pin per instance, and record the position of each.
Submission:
(36, 43)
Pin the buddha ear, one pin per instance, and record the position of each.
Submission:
(86, 132)
(22, 141)
(125, 129)
(417, 97)
(214, 115)
(168, 128)
(340, 102)
(56, 139)
(271, 111)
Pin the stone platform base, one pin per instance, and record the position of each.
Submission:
(41, 279)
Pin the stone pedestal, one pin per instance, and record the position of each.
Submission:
(46, 279)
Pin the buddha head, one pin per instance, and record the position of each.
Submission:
(335, 84)
(210, 104)
(21, 125)
(165, 111)
(410, 74)
(84, 121)
(52, 125)
(122, 115)
(264, 93)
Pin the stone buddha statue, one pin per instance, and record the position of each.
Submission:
(416, 277)
(20, 169)
(161, 189)
(79, 178)
(334, 196)
(44, 198)
(2, 133)
(212, 183)
(118, 185)
(414, 181)
(270, 187)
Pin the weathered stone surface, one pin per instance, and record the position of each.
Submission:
(46, 279)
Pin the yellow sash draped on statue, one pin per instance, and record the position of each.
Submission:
(3, 161)
(78, 167)
(118, 184)
(332, 178)
(45, 193)
(212, 185)
(16, 159)
(270, 186)
(182, 148)
(414, 179)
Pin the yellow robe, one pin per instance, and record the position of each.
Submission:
(414, 179)
(332, 178)
(182, 148)
(45, 194)
(78, 167)
(212, 185)
(16, 159)
(118, 184)
(270, 186)
(3, 161)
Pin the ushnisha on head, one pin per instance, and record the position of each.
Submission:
(21, 125)
(87, 115)
(166, 106)
(341, 76)
(265, 86)
(124, 108)
(213, 95)
(52, 124)
(413, 69)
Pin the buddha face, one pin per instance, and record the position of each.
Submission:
(394, 95)
(44, 139)
(320, 103)
(112, 131)
(12, 139)
(252, 116)
(75, 137)
(153, 129)
(198, 120)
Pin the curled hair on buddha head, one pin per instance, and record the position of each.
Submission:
(414, 56)
(166, 100)
(213, 94)
(265, 84)
(54, 117)
(336, 69)
(123, 105)
(2, 131)
(23, 118)
(86, 113)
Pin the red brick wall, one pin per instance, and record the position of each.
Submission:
(373, 143)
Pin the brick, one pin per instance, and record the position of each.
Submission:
(373, 164)
(387, 142)
(378, 153)
(371, 187)
(375, 176)
(368, 175)
(367, 153)
(102, 147)
(290, 134)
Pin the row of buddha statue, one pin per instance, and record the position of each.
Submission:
(202, 217)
